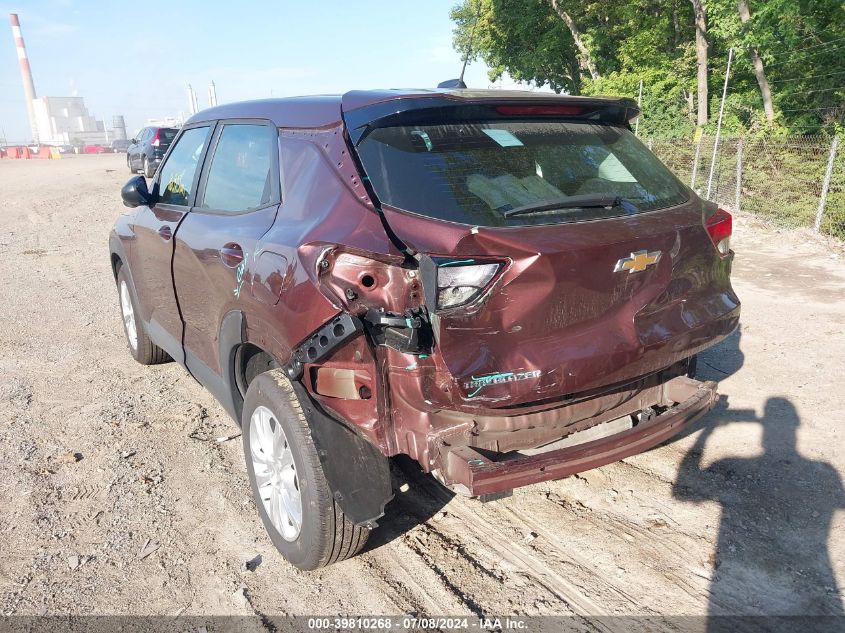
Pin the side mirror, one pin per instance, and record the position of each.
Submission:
(135, 193)
(133, 140)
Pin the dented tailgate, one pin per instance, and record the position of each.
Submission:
(561, 319)
(604, 270)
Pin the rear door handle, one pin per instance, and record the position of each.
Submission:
(231, 254)
(165, 232)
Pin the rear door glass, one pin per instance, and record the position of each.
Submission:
(241, 172)
(474, 172)
(176, 176)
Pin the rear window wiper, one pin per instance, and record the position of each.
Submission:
(585, 201)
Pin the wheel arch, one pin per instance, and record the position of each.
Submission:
(116, 263)
(231, 339)
(116, 254)
(356, 470)
(251, 360)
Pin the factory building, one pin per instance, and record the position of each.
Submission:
(59, 120)
(64, 120)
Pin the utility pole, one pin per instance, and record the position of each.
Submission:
(639, 116)
(719, 124)
(826, 184)
(738, 192)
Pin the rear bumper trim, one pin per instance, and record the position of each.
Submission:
(469, 472)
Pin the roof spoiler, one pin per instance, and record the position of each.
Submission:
(446, 108)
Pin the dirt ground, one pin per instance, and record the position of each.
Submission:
(116, 498)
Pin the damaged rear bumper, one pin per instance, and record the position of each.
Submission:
(471, 472)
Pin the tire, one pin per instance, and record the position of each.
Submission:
(129, 164)
(149, 170)
(140, 346)
(325, 535)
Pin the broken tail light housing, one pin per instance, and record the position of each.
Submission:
(720, 226)
(463, 281)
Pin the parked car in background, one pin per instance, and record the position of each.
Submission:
(95, 148)
(120, 145)
(148, 148)
(508, 287)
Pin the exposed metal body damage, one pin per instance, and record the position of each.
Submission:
(575, 324)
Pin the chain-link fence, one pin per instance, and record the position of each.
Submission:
(780, 178)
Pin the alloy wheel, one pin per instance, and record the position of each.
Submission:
(128, 315)
(276, 477)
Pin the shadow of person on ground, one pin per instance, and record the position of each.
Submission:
(776, 510)
(423, 497)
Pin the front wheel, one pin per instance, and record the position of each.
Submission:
(141, 347)
(288, 484)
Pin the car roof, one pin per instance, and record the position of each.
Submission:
(325, 110)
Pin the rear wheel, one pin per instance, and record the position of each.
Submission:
(149, 170)
(141, 347)
(288, 484)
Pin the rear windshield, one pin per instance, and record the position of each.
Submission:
(474, 173)
(166, 135)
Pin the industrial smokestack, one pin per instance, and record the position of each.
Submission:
(118, 125)
(26, 74)
(192, 101)
(212, 95)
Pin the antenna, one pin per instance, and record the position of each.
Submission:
(459, 82)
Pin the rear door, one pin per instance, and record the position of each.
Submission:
(151, 253)
(216, 243)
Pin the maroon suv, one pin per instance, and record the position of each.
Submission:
(507, 287)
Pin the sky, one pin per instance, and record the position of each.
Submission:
(136, 59)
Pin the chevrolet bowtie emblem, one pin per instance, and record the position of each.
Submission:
(637, 262)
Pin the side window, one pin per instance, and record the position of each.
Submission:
(177, 173)
(241, 172)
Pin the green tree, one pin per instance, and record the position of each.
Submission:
(522, 37)
(788, 75)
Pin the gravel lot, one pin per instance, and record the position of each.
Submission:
(116, 498)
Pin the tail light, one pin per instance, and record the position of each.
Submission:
(720, 226)
(156, 140)
(461, 282)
